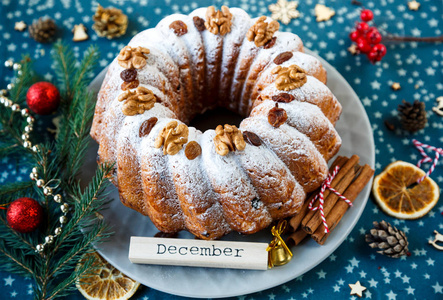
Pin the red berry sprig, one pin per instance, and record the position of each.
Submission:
(368, 38)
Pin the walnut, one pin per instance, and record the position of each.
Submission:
(137, 101)
(277, 116)
(130, 57)
(172, 138)
(228, 139)
(219, 21)
(129, 85)
(262, 32)
(289, 78)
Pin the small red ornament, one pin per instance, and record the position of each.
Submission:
(366, 15)
(43, 98)
(24, 215)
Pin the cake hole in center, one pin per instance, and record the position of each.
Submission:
(214, 117)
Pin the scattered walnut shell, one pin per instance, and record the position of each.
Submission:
(283, 98)
(147, 126)
(199, 23)
(289, 78)
(251, 138)
(282, 57)
(172, 138)
(179, 27)
(277, 116)
(192, 150)
(262, 32)
(219, 21)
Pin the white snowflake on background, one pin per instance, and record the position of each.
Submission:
(284, 11)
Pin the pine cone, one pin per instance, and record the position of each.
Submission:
(413, 116)
(109, 22)
(390, 240)
(43, 30)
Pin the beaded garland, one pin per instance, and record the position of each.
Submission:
(40, 183)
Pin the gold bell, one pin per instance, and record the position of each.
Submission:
(278, 252)
(278, 255)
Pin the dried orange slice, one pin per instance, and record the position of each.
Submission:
(398, 194)
(103, 281)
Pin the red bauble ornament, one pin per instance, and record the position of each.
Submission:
(366, 15)
(43, 98)
(362, 27)
(24, 215)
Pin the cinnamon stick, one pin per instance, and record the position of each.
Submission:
(295, 221)
(347, 174)
(296, 238)
(341, 207)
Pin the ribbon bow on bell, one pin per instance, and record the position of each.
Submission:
(278, 253)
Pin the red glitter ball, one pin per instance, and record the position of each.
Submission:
(24, 215)
(43, 98)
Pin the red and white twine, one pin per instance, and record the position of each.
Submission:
(426, 158)
(326, 185)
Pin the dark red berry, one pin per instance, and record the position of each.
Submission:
(366, 15)
(373, 36)
(374, 56)
(354, 36)
(362, 27)
(363, 45)
(380, 49)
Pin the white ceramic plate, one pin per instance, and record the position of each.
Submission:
(356, 133)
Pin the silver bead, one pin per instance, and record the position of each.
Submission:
(19, 72)
(64, 208)
(16, 66)
(10, 86)
(47, 191)
(25, 112)
(3, 92)
(35, 148)
(30, 119)
(27, 144)
(49, 239)
(9, 63)
(58, 230)
(63, 219)
(25, 136)
(40, 183)
(2, 100)
(34, 170)
(58, 198)
(33, 176)
(15, 107)
(28, 128)
(40, 248)
(8, 103)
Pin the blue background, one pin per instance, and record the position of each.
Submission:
(416, 66)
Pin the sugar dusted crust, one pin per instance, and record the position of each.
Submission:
(209, 194)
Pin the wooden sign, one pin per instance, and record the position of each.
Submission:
(198, 253)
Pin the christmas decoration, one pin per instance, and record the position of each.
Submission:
(438, 238)
(391, 241)
(56, 167)
(426, 158)
(323, 13)
(43, 30)
(278, 252)
(109, 22)
(79, 33)
(395, 86)
(43, 98)
(357, 289)
(24, 215)
(353, 49)
(439, 108)
(284, 11)
(20, 26)
(412, 116)
(402, 180)
(367, 39)
(413, 5)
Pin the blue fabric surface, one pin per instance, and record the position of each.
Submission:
(416, 66)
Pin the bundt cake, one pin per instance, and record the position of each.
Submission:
(228, 179)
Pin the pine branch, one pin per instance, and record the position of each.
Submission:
(24, 81)
(12, 261)
(64, 66)
(14, 187)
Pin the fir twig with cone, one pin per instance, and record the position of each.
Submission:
(43, 30)
(391, 241)
(412, 115)
(109, 22)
